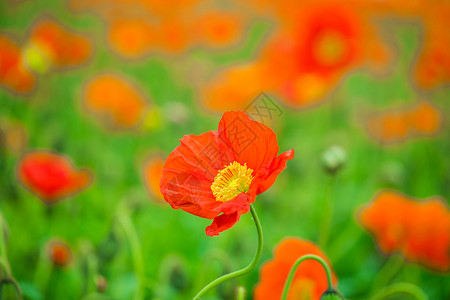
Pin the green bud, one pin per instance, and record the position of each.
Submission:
(334, 159)
(332, 295)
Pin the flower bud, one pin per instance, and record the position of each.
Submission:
(101, 283)
(333, 159)
(59, 253)
(332, 295)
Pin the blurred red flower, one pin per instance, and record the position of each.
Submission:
(62, 47)
(310, 280)
(14, 74)
(420, 231)
(51, 176)
(59, 253)
(217, 174)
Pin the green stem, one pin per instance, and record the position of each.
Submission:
(15, 284)
(5, 266)
(294, 268)
(243, 271)
(2, 238)
(43, 271)
(136, 252)
(326, 213)
(241, 293)
(3, 257)
(402, 287)
(387, 272)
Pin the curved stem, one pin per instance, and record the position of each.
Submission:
(14, 283)
(243, 271)
(5, 266)
(403, 287)
(241, 293)
(294, 268)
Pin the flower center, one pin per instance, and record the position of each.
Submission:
(231, 181)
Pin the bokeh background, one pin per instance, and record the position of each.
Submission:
(95, 94)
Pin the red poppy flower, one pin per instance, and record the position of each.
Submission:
(418, 230)
(59, 253)
(310, 280)
(217, 174)
(51, 176)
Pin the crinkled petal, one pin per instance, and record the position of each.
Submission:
(221, 223)
(188, 174)
(251, 142)
(239, 204)
(267, 175)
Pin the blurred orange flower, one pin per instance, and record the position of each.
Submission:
(140, 27)
(217, 174)
(433, 59)
(131, 38)
(433, 65)
(115, 100)
(310, 280)
(51, 176)
(152, 174)
(62, 47)
(421, 119)
(59, 253)
(14, 74)
(313, 46)
(420, 231)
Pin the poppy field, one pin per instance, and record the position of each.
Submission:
(229, 150)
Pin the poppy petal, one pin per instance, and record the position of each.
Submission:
(309, 281)
(267, 175)
(239, 204)
(187, 176)
(222, 223)
(249, 141)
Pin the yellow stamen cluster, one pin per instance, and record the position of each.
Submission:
(231, 181)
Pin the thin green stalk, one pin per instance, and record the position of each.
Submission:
(43, 271)
(136, 252)
(3, 256)
(387, 272)
(243, 271)
(2, 239)
(241, 293)
(402, 287)
(327, 212)
(5, 266)
(294, 268)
